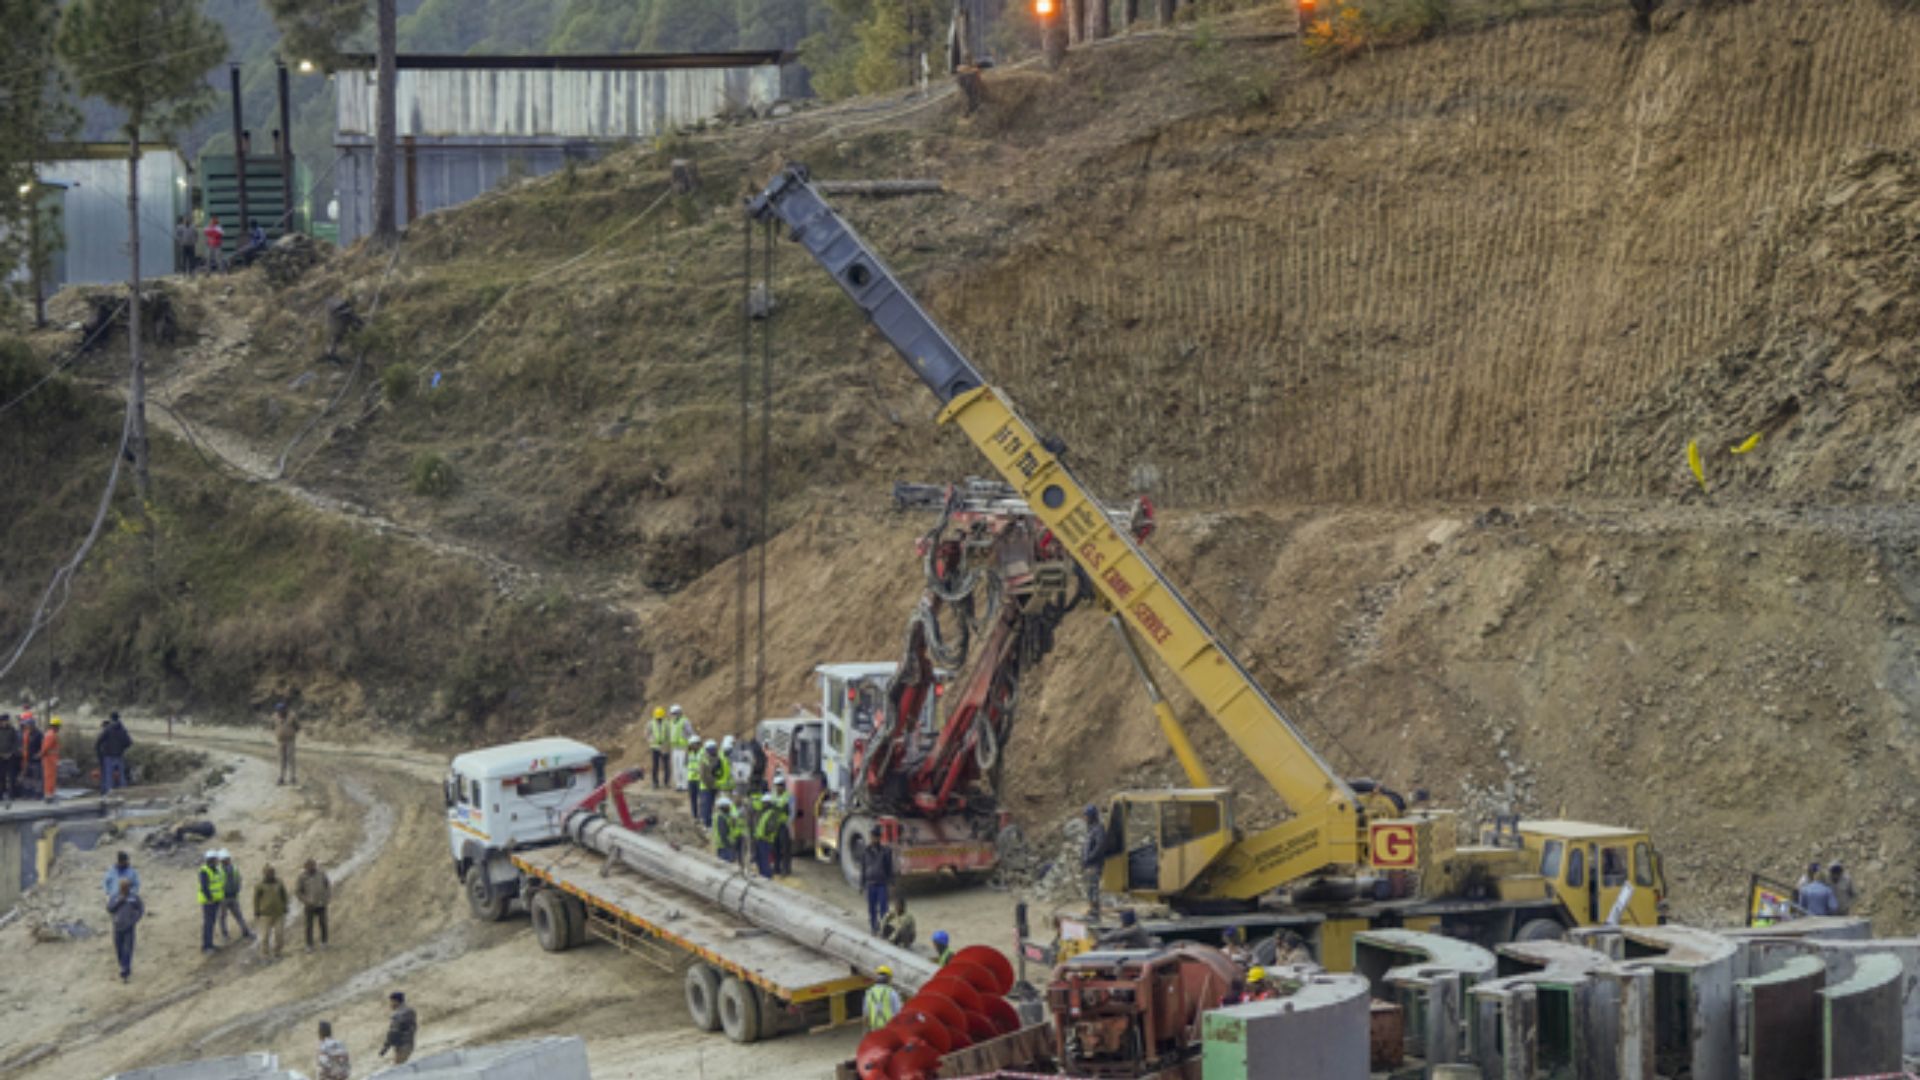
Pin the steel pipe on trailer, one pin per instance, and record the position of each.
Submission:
(771, 907)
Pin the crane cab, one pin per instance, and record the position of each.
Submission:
(1168, 839)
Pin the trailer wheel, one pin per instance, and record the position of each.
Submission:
(488, 903)
(739, 1010)
(1541, 930)
(853, 845)
(550, 922)
(576, 913)
(703, 997)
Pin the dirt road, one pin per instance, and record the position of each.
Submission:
(372, 817)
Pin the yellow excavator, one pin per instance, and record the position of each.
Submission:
(1352, 855)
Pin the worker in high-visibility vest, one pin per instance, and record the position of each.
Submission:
(942, 952)
(694, 766)
(728, 830)
(50, 757)
(783, 837)
(883, 1001)
(766, 827)
(213, 892)
(679, 735)
(657, 747)
(723, 767)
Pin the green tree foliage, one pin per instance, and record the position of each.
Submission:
(147, 58)
(31, 113)
(316, 30)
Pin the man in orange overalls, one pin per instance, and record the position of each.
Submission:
(50, 755)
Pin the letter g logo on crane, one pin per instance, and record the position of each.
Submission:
(1394, 846)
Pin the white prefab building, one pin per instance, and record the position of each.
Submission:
(85, 185)
(467, 123)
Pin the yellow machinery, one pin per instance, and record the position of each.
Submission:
(1183, 847)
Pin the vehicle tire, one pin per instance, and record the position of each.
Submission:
(853, 845)
(576, 920)
(488, 903)
(739, 1010)
(703, 997)
(550, 921)
(1541, 930)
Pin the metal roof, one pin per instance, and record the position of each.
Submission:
(516, 759)
(570, 61)
(1579, 830)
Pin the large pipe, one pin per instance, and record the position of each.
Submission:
(774, 908)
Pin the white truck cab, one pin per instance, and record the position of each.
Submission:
(509, 797)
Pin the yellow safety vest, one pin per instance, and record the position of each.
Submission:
(945, 957)
(693, 769)
(657, 732)
(723, 774)
(213, 885)
(881, 1002)
(677, 728)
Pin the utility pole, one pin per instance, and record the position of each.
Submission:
(239, 153)
(386, 226)
(286, 151)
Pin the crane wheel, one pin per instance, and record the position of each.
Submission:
(703, 997)
(739, 1010)
(488, 903)
(550, 923)
(1541, 930)
(853, 845)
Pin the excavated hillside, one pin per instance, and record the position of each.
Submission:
(1410, 347)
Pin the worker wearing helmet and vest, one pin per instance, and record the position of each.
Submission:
(693, 767)
(723, 766)
(50, 756)
(883, 1001)
(1258, 989)
(942, 952)
(783, 835)
(679, 736)
(766, 827)
(213, 893)
(657, 748)
(728, 830)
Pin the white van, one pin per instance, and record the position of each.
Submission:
(508, 798)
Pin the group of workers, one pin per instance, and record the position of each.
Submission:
(30, 756)
(220, 890)
(1825, 892)
(882, 1002)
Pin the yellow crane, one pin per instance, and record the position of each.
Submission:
(1184, 847)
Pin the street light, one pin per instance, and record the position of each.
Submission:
(26, 188)
(306, 67)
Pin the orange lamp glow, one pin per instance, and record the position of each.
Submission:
(1043, 8)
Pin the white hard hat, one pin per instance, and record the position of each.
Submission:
(727, 742)
(724, 801)
(780, 777)
(711, 745)
(225, 854)
(674, 709)
(213, 853)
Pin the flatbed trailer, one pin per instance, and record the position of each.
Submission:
(741, 979)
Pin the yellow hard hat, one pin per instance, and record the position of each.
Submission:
(1256, 974)
(55, 722)
(659, 713)
(886, 972)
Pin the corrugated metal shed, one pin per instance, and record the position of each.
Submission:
(94, 211)
(467, 123)
(567, 104)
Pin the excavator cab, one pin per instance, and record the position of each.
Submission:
(1160, 842)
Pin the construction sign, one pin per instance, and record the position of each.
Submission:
(1394, 846)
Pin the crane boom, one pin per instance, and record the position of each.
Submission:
(1126, 578)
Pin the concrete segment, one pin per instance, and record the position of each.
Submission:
(1779, 1024)
(1548, 1014)
(1318, 1032)
(1428, 976)
(1862, 1019)
(1839, 956)
(551, 1058)
(1693, 994)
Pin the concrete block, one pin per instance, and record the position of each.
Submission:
(1693, 995)
(1839, 956)
(1862, 1019)
(1548, 1013)
(1319, 1032)
(1428, 976)
(552, 1058)
(1779, 1021)
(259, 1066)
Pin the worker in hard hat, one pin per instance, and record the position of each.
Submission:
(212, 895)
(694, 765)
(679, 737)
(883, 1001)
(722, 768)
(782, 800)
(50, 756)
(1258, 988)
(766, 826)
(727, 830)
(657, 745)
(942, 951)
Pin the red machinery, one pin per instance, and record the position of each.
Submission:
(962, 1006)
(1136, 1013)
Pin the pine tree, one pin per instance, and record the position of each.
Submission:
(317, 31)
(30, 114)
(149, 59)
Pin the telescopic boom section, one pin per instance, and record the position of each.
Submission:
(1130, 583)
